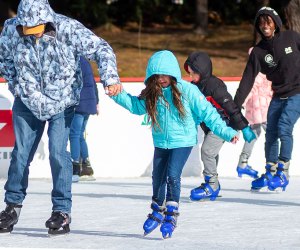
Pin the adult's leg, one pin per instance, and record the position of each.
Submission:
(28, 132)
(272, 144)
(289, 116)
(60, 160)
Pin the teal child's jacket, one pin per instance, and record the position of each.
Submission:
(175, 132)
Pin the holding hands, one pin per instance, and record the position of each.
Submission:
(114, 89)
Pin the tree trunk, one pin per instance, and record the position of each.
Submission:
(259, 4)
(292, 15)
(201, 20)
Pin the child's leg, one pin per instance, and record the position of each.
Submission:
(243, 168)
(159, 174)
(176, 162)
(248, 147)
(210, 149)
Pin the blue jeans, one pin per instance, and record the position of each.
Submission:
(78, 146)
(282, 116)
(167, 169)
(28, 132)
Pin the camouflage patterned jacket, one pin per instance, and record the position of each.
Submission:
(45, 72)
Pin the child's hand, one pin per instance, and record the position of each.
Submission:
(234, 140)
(97, 109)
(114, 89)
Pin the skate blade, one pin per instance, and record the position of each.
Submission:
(58, 232)
(205, 199)
(6, 231)
(264, 190)
(247, 177)
(167, 236)
(87, 178)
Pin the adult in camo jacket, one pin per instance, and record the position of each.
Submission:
(43, 73)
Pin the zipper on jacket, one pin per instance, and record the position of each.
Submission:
(166, 124)
(37, 41)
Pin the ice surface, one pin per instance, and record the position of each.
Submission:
(109, 214)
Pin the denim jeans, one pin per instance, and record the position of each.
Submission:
(28, 132)
(78, 145)
(167, 169)
(282, 116)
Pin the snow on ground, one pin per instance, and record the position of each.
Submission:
(109, 214)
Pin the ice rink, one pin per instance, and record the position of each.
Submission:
(109, 214)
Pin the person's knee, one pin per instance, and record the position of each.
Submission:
(174, 180)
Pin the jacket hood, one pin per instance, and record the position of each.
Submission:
(34, 12)
(163, 63)
(200, 63)
(270, 12)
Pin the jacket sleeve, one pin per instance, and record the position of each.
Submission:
(297, 39)
(224, 99)
(246, 84)
(90, 46)
(132, 103)
(7, 69)
(209, 115)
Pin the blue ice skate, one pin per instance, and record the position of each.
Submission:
(170, 221)
(154, 219)
(247, 171)
(280, 179)
(206, 191)
(262, 181)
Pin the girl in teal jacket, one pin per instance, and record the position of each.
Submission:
(175, 108)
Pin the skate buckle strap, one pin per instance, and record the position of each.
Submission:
(204, 187)
(174, 213)
(151, 216)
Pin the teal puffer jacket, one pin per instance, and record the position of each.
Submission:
(175, 132)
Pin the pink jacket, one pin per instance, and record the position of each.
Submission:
(257, 102)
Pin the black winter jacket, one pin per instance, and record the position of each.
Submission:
(215, 91)
(278, 58)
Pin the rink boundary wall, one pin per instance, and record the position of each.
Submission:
(121, 146)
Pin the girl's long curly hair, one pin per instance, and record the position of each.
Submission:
(153, 92)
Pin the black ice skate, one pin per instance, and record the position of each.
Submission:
(58, 223)
(9, 217)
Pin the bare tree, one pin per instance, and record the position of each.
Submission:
(201, 20)
(292, 15)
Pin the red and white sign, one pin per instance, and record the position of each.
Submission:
(7, 138)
